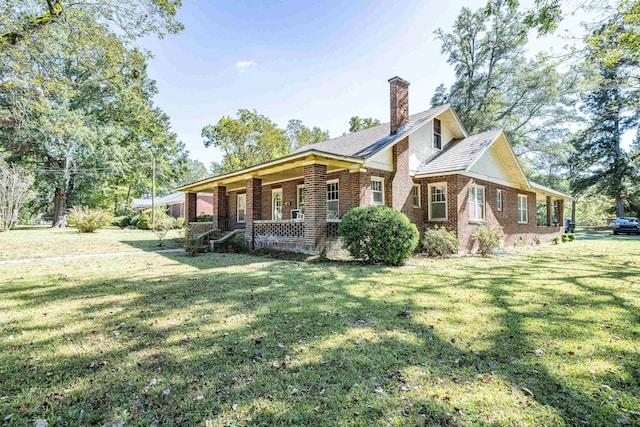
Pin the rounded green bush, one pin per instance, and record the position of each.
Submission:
(121, 221)
(378, 234)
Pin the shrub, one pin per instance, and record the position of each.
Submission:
(378, 234)
(564, 238)
(162, 227)
(571, 237)
(88, 220)
(144, 220)
(133, 221)
(555, 240)
(180, 223)
(438, 242)
(488, 238)
(121, 221)
(204, 218)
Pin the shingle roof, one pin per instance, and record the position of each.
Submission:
(368, 142)
(460, 154)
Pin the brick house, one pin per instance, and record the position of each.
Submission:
(424, 165)
(173, 204)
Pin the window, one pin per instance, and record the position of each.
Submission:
(523, 216)
(476, 203)
(241, 208)
(554, 212)
(415, 196)
(499, 201)
(333, 194)
(438, 201)
(300, 196)
(377, 191)
(437, 134)
(276, 204)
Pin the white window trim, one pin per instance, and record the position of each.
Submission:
(433, 128)
(298, 188)
(381, 181)
(526, 208)
(333, 181)
(273, 206)
(446, 201)
(238, 197)
(419, 187)
(484, 203)
(500, 200)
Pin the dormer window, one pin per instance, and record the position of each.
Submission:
(437, 134)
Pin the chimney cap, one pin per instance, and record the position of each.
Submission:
(399, 80)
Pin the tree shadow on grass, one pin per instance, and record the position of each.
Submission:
(250, 341)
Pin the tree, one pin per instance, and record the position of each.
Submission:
(299, 135)
(357, 124)
(600, 161)
(15, 185)
(77, 108)
(22, 19)
(498, 87)
(246, 141)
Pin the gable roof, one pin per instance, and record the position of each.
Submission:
(460, 154)
(368, 142)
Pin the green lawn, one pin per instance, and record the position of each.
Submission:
(546, 336)
(43, 241)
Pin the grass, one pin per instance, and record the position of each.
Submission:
(44, 241)
(541, 337)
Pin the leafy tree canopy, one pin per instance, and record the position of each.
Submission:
(252, 138)
(357, 124)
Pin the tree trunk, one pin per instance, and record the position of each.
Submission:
(62, 197)
(59, 208)
(619, 205)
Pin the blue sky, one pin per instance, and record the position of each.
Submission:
(320, 62)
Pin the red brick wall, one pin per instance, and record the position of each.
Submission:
(451, 223)
(514, 232)
(204, 205)
(315, 209)
(402, 182)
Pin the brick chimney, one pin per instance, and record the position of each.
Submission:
(399, 103)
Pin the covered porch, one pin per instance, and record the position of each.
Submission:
(280, 204)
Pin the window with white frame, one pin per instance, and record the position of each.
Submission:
(499, 200)
(241, 208)
(416, 201)
(476, 203)
(333, 195)
(438, 201)
(523, 215)
(377, 191)
(437, 134)
(300, 196)
(276, 204)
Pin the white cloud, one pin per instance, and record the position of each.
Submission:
(243, 65)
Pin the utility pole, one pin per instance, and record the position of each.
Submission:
(153, 190)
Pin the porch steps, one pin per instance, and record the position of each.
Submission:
(224, 238)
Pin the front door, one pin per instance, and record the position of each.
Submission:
(276, 204)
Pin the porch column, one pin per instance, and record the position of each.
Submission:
(315, 208)
(220, 207)
(561, 212)
(253, 209)
(549, 213)
(190, 208)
